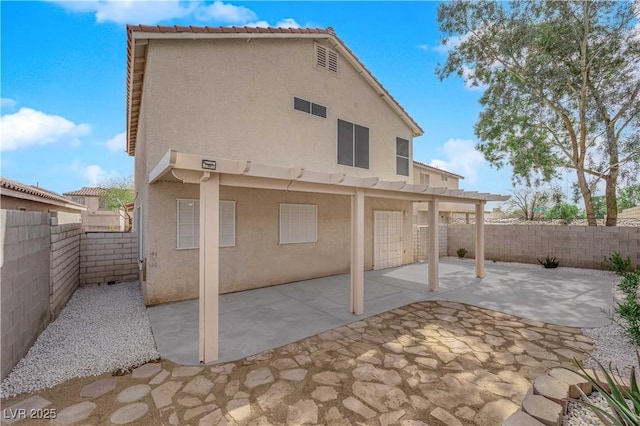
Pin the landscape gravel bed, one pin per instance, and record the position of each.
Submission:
(612, 349)
(102, 329)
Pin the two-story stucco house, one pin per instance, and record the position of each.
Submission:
(97, 216)
(265, 156)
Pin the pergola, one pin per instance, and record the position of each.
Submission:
(210, 173)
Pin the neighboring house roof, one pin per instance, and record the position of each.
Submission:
(426, 166)
(87, 191)
(136, 62)
(12, 188)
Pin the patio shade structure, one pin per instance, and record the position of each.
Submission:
(211, 172)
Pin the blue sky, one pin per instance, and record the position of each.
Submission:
(63, 80)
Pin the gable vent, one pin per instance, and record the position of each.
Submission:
(326, 58)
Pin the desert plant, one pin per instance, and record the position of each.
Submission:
(549, 262)
(624, 404)
(630, 283)
(461, 252)
(617, 263)
(629, 318)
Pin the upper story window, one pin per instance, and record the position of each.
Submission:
(424, 179)
(444, 178)
(102, 204)
(402, 157)
(76, 199)
(309, 107)
(353, 145)
(326, 58)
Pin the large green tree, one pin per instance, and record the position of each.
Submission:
(562, 85)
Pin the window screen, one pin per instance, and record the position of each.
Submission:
(402, 156)
(353, 144)
(362, 147)
(227, 223)
(189, 224)
(302, 105)
(345, 143)
(319, 110)
(298, 223)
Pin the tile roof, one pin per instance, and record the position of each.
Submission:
(135, 76)
(36, 191)
(87, 191)
(437, 169)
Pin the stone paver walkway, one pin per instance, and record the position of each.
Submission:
(429, 363)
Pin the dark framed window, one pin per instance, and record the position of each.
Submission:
(402, 157)
(353, 145)
(309, 107)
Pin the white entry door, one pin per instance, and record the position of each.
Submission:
(387, 239)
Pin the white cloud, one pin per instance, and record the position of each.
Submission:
(96, 175)
(288, 23)
(461, 158)
(152, 12)
(93, 174)
(117, 143)
(7, 103)
(30, 127)
(452, 43)
(225, 12)
(131, 11)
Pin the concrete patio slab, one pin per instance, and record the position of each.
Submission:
(256, 320)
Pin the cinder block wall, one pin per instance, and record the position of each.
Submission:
(65, 265)
(108, 256)
(24, 282)
(577, 246)
(421, 242)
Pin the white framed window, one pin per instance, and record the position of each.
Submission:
(424, 179)
(189, 224)
(298, 223)
(227, 223)
(402, 156)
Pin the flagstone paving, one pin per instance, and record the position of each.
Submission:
(429, 363)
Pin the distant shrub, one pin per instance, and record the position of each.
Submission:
(461, 252)
(549, 262)
(617, 263)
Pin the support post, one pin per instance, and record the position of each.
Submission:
(357, 252)
(434, 247)
(480, 239)
(209, 266)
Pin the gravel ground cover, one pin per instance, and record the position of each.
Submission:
(102, 329)
(612, 348)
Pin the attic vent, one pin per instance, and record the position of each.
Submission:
(326, 58)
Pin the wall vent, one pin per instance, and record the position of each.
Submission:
(326, 58)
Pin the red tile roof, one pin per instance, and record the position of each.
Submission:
(87, 191)
(35, 190)
(133, 96)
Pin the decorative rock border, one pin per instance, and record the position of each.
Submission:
(545, 403)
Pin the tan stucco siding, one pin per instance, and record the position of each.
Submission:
(234, 99)
(257, 260)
